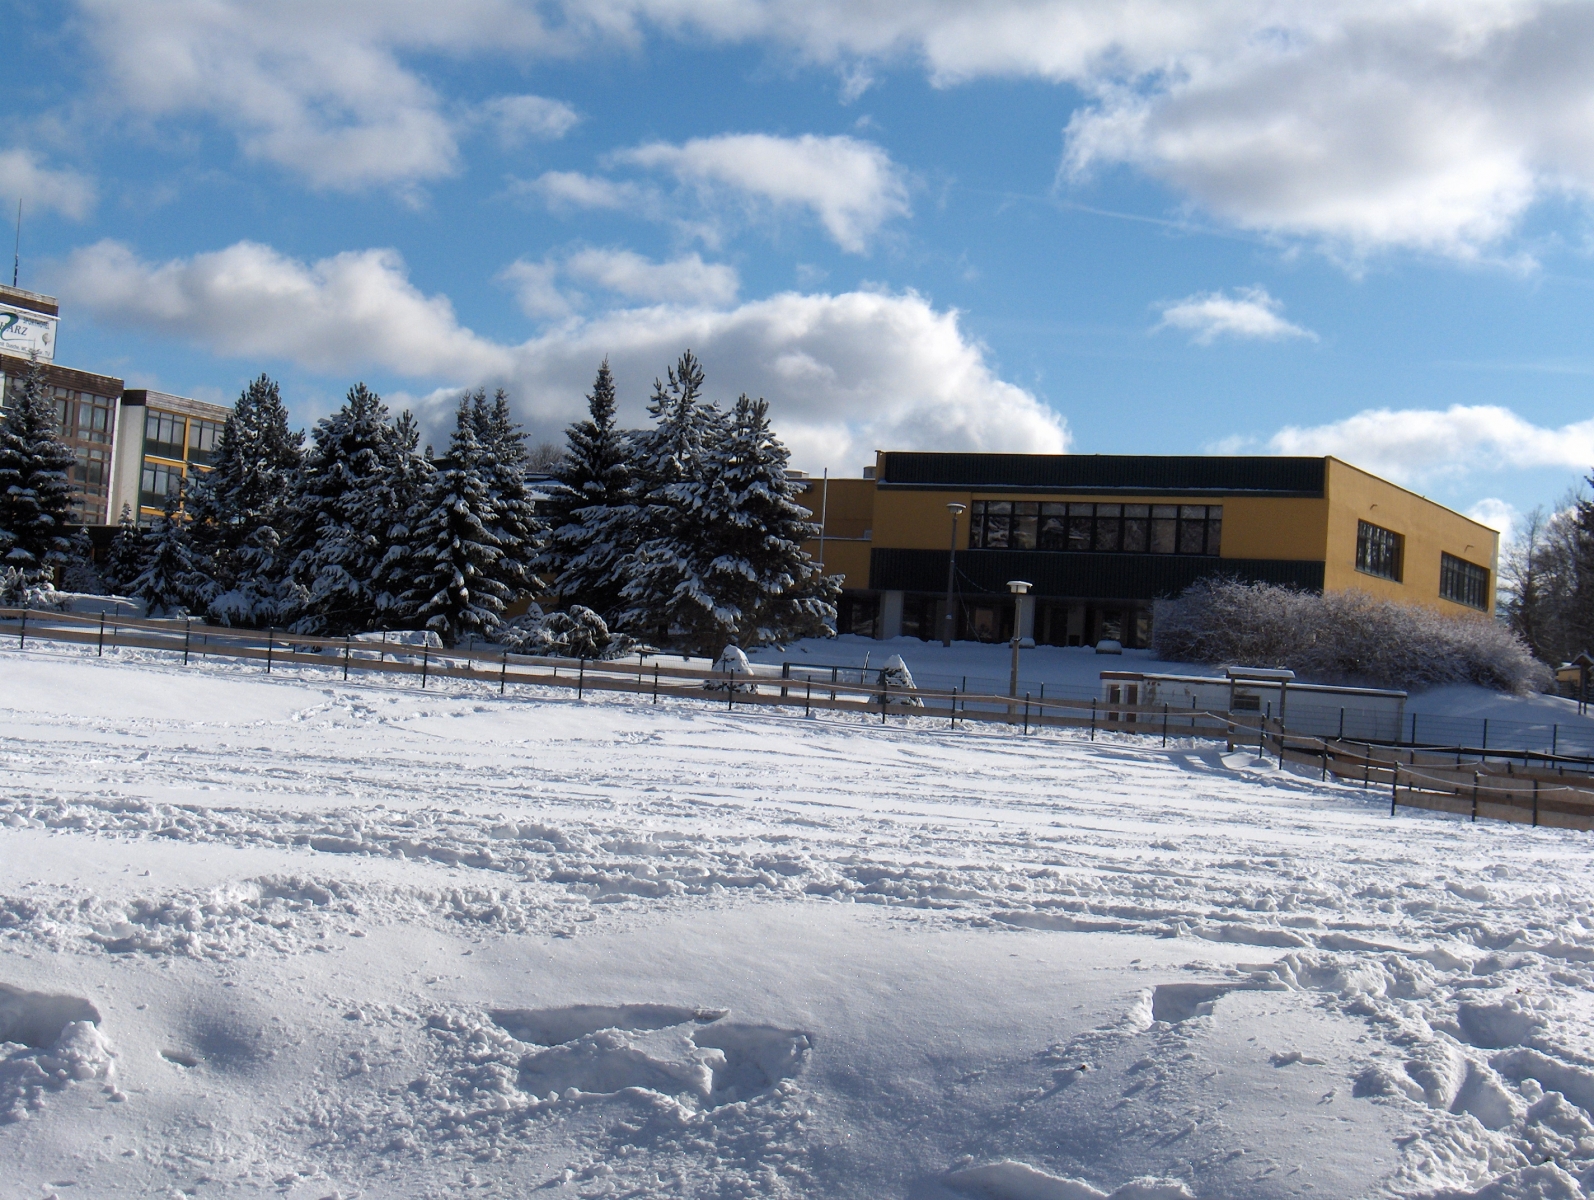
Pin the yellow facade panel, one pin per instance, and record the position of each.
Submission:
(1426, 529)
(915, 520)
(849, 559)
(1274, 527)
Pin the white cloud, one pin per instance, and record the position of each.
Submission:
(845, 374)
(1414, 445)
(536, 288)
(1250, 313)
(1498, 515)
(350, 311)
(1363, 123)
(687, 279)
(23, 177)
(518, 119)
(572, 189)
(852, 186)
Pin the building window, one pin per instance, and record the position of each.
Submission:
(1097, 528)
(1464, 582)
(164, 435)
(202, 439)
(1378, 551)
(158, 482)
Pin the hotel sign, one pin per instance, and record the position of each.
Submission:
(25, 333)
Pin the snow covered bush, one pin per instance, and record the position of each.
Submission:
(731, 663)
(581, 633)
(1341, 637)
(28, 589)
(895, 674)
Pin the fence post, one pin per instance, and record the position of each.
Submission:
(581, 675)
(808, 698)
(1413, 729)
(503, 671)
(1342, 724)
(1394, 783)
(1324, 743)
(1535, 802)
(426, 664)
(1026, 714)
(1474, 799)
(101, 653)
(270, 638)
(347, 642)
(1485, 733)
(785, 673)
(22, 634)
(1555, 730)
(655, 683)
(954, 717)
(1164, 726)
(188, 629)
(1092, 718)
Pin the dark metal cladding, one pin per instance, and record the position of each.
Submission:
(1141, 473)
(1079, 576)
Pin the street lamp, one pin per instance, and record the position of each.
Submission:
(957, 510)
(1020, 589)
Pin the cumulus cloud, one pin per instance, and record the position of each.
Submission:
(574, 190)
(23, 176)
(350, 311)
(519, 119)
(852, 186)
(621, 273)
(1497, 514)
(1251, 313)
(845, 374)
(1416, 445)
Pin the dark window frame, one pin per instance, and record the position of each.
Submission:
(1086, 527)
(1380, 552)
(1463, 582)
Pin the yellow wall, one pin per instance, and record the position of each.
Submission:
(916, 520)
(1288, 528)
(1428, 530)
(848, 509)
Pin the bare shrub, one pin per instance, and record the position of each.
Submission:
(1341, 637)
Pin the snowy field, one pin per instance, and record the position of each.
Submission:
(293, 937)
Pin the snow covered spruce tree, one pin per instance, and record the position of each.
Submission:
(458, 587)
(127, 548)
(741, 574)
(35, 488)
(504, 461)
(248, 489)
(671, 471)
(173, 578)
(82, 574)
(356, 489)
(592, 515)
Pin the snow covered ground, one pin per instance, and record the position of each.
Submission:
(293, 937)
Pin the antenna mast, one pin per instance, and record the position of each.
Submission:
(16, 254)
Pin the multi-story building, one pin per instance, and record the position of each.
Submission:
(164, 441)
(1100, 537)
(85, 403)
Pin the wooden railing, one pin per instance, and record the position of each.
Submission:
(1542, 792)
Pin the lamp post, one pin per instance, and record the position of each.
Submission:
(1019, 588)
(957, 510)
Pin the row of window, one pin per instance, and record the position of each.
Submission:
(157, 482)
(1110, 528)
(183, 439)
(1381, 552)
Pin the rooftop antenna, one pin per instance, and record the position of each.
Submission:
(16, 254)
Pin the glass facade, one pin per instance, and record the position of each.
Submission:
(1464, 582)
(1378, 551)
(1195, 529)
(86, 424)
(175, 446)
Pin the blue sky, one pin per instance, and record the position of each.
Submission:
(1119, 228)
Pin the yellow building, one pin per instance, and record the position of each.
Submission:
(162, 441)
(1100, 537)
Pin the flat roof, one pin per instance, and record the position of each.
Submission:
(32, 301)
(1140, 474)
(166, 402)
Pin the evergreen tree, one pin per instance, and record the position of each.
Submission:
(404, 500)
(504, 464)
(263, 593)
(741, 575)
(352, 503)
(82, 575)
(173, 579)
(35, 487)
(457, 587)
(672, 469)
(122, 563)
(249, 487)
(592, 514)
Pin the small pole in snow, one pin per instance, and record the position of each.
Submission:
(581, 675)
(101, 653)
(269, 639)
(347, 641)
(1535, 802)
(954, 708)
(1474, 799)
(22, 634)
(1026, 714)
(1394, 785)
(1555, 733)
(655, 683)
(808, 698)
(1164, 726)
(188, 630)
(1093, 718)
(426, 663)
(503, 671)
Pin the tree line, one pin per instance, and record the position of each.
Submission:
(1547, 580)
(687, 533)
